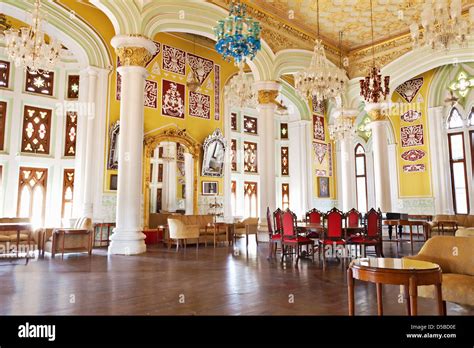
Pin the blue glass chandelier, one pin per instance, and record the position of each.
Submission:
(238, 35)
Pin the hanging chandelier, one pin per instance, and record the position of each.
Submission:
(238, 35)
(240, 92)
(442, 25)
(27, 47)
(321, 80)
(343, 126)
(374, 88)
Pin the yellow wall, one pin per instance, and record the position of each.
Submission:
(414, 184)
(197, 128)
(325, 163)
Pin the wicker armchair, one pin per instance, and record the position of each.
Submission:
(179, 231)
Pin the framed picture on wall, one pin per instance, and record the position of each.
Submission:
(183, 191)
(323, 187)
(113, 182)
(210, 188)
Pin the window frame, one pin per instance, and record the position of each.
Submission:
(43, 184)
(66, 185)
(285, 204)
(363, 155)
(246, 183)
(451, 162)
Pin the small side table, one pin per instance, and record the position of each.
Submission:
(406, 272)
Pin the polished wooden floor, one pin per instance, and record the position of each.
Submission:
(210, 281)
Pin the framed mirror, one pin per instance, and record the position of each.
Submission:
(214, 153)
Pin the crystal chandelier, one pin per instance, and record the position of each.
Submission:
(371, 87)
(238, 35)
(27, 47)
(240, 91)
(443, 25)
(321, 80)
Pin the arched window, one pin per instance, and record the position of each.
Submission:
(32, 194)
(455, 119)
(471, 117)
(457, 162)
(361, 178)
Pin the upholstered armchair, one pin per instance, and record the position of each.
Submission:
(245, 228)
(69, 240)
(179, 231)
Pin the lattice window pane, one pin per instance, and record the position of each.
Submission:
(36, 130)
(250, 125)
(285, 196)
(250, 157)
(4, 74)
(73, 86)
(41, 83)
(285, 169)
(233, 197)
(284, 130)
(233, 154)
(250, 199)
(233, 121)
(3, 119)
(68, 193)
(32, 193)
(160, 172)
(455, 119)
(71, 134)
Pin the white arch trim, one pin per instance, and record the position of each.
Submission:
(76, 35)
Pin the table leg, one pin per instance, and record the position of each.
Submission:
(411, 238)
(390, 229)
(439, 299)
(413, 296)
(407, 299)
(350, 291)
(400, 231)
(379, 299)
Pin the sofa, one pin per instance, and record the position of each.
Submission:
(457, 222)
(69, 240)
(455, 256)
(204, 224)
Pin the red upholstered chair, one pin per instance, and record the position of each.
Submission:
(353, 219)
(313, 216)
(333, 232)
(291, 242)
(277, 220)
(372, 232)
(274, 235)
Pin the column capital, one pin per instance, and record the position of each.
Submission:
(267, 92)
(133, 49)
(376, 111)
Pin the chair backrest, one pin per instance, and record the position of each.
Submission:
(353, 218)
(314, 216)
(277, 220)
(269, 222)
(373, 223)
(333, 222)
(288, 222)
(83, 223)
(175, 228)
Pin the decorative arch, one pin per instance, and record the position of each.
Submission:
(199, 18)
(173, 134)
(78, 36)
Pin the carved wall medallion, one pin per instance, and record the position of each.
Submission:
(174, 60)
(318, 128)
(150, 98)
(412, 168)
(199, 105)
(410, 88)
(413, 155)
(411, 116)
(201, 66)
(173, 99)
(320, 150)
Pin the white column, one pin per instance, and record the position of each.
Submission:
(227, 166)
(133, 52)
(189, 173)
(89, 164)
(267, 92)
(300, 167)
(382, 167)
(348, 174)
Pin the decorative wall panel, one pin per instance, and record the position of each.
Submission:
(73, 86)
(4, 74)
(71, 134)
(250, 125)
(174, 60)
(250, 157)
(411, 116)
(36, 130)
(320, 150)
(40, 83)
(68, 193)
(410, 88)
(412, 135)
(233, 121)
(150, 98)
(199, 105)
(217, 88)
(411, 168)
(201, 66)
(318, 128)
(173, 99)
(233, 154)
(413, 155)
(3, 121)
(284, 154)
(283, 130)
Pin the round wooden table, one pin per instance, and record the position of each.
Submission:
(406, 272)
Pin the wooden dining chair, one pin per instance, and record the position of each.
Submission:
(274, 235)
(372, 235)
(313, 216)
(333, 233)
(292, 242)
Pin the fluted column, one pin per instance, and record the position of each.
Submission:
(133, 52)
(267, 93)
(379, 124)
